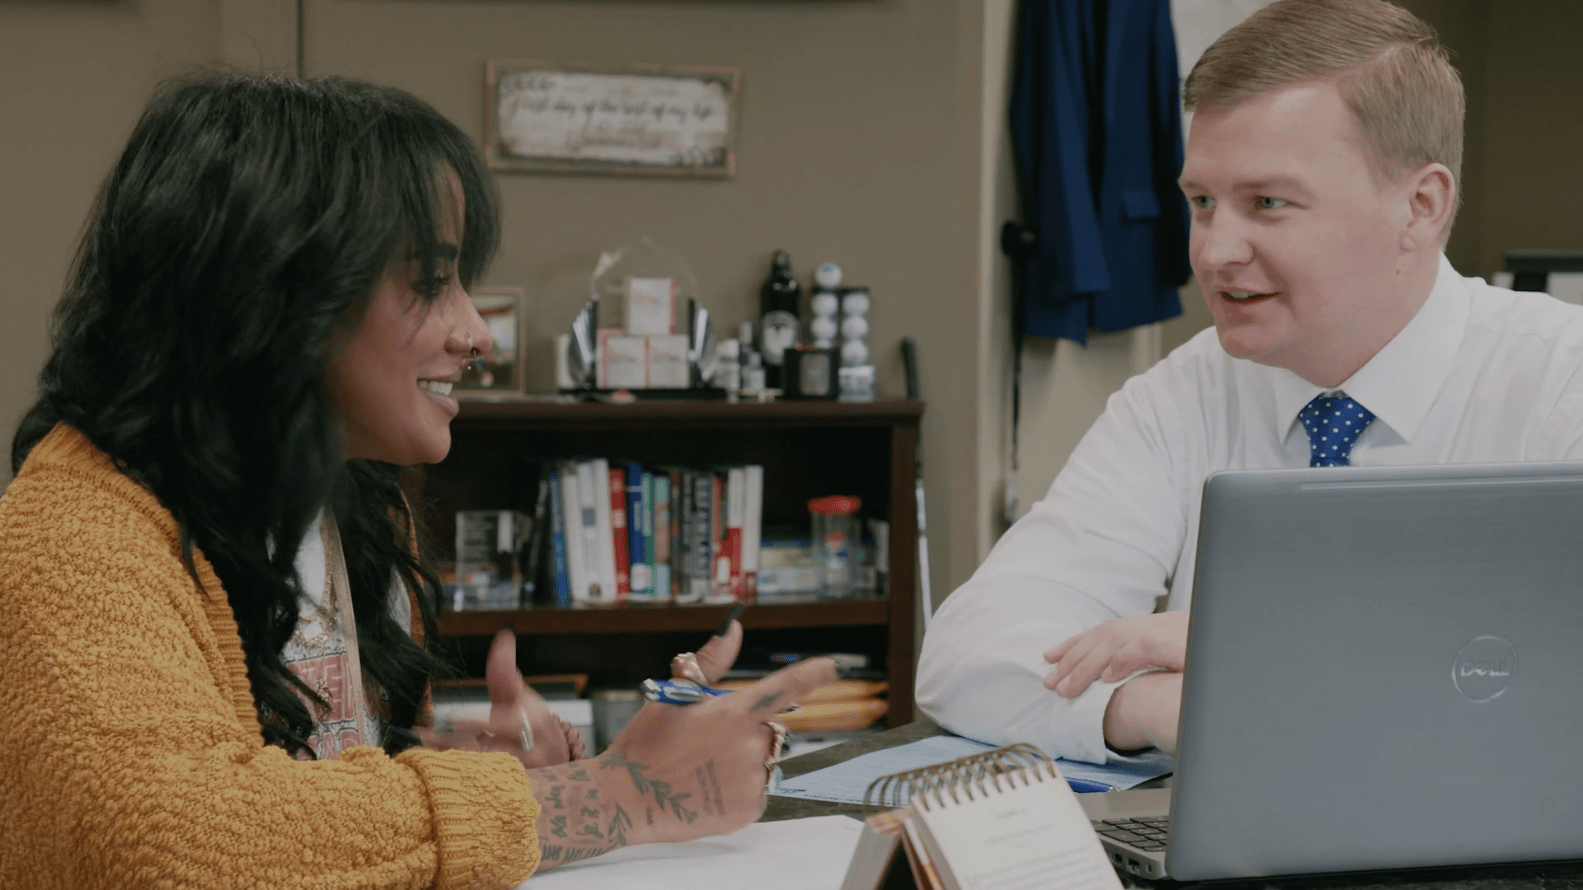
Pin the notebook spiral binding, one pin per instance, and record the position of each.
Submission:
(966, 778)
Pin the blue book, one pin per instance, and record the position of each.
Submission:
(563, 582)
(661, 554)
(638, 567)
(646, 508)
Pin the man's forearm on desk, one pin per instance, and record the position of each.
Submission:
(1143, 712)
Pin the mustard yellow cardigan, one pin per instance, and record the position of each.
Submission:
(130, 751)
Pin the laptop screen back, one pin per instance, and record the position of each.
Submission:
(1384, 670)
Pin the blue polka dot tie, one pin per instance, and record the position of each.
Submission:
(1333, 425)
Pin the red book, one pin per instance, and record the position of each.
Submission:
(736, 508)
(618, 534)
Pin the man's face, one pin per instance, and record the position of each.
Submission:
(1297, 247)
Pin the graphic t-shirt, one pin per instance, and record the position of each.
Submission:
(322, 651)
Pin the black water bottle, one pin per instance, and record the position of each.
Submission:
(780, 302)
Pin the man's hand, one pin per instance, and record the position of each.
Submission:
(1143, 712)
(1114, 649)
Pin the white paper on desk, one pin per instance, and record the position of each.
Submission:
(797, 854)
(846, 782)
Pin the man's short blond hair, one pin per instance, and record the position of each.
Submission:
(1389, 66)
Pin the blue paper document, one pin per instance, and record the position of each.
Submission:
(846, 782)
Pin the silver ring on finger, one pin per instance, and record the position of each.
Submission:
(778, 740)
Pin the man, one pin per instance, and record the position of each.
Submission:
(1321, 167)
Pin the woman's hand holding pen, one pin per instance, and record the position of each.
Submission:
(677, 772)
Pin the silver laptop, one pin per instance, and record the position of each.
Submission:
(1384, 670)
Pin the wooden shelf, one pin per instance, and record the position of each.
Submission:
(649, 619)
(808, 449)
(659, 414)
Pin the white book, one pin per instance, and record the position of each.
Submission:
(572, 518)
(752, 527)
(606, 533)
(588, 518)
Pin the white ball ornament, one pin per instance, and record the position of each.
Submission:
(854, 327)
(823, 329)
(854, 353)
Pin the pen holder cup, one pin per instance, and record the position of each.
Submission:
(613, 710)
(834, 526)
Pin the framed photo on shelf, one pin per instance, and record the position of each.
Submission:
(653, 120)
(504, 312)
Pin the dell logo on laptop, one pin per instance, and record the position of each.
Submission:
(1484, 667)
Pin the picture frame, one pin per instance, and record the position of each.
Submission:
(636, 120)
(503, 310)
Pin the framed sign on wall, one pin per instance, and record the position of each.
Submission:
(546, 117)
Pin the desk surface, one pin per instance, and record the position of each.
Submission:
(1564, 876)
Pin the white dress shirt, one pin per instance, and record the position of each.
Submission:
(1480, 374)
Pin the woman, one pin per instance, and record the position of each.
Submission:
(211, 672)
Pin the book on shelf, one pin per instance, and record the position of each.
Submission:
(604, 537)
(1001, 820)
(661, 526)
(560, 582)
(646, 507)
(532, 549)
(620, 543)
(640, 574)
(604, 532)
(752, 527)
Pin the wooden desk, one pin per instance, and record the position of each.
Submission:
(1561, 876)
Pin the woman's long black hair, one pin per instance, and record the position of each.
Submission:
(231, 249)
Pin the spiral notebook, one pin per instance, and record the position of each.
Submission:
(1001, 820)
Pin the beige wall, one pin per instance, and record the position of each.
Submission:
(858, 145)
(872, 134)
(73, 77)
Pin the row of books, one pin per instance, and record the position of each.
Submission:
(622, 532)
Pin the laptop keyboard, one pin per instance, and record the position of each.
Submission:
(1148, 833)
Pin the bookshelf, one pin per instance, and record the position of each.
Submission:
(808, 449)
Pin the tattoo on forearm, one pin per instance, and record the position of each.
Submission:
(767, 702)
(713, 801)
(661, 791)
(572, 813)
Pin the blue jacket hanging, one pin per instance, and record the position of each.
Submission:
(1096, 129)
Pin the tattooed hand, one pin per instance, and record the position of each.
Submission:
(675, 773)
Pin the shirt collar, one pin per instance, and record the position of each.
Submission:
(1401, 381)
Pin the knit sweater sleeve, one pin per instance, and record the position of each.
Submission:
(130, 753)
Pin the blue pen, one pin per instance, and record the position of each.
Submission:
(678, 692)
(1084, 786)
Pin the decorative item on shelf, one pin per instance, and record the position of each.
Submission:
(857, 375)
(548, 117)
(812, 372)
(499, 373)
(834, 526)
(642, 330)
(780, 324)
(490, 572)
